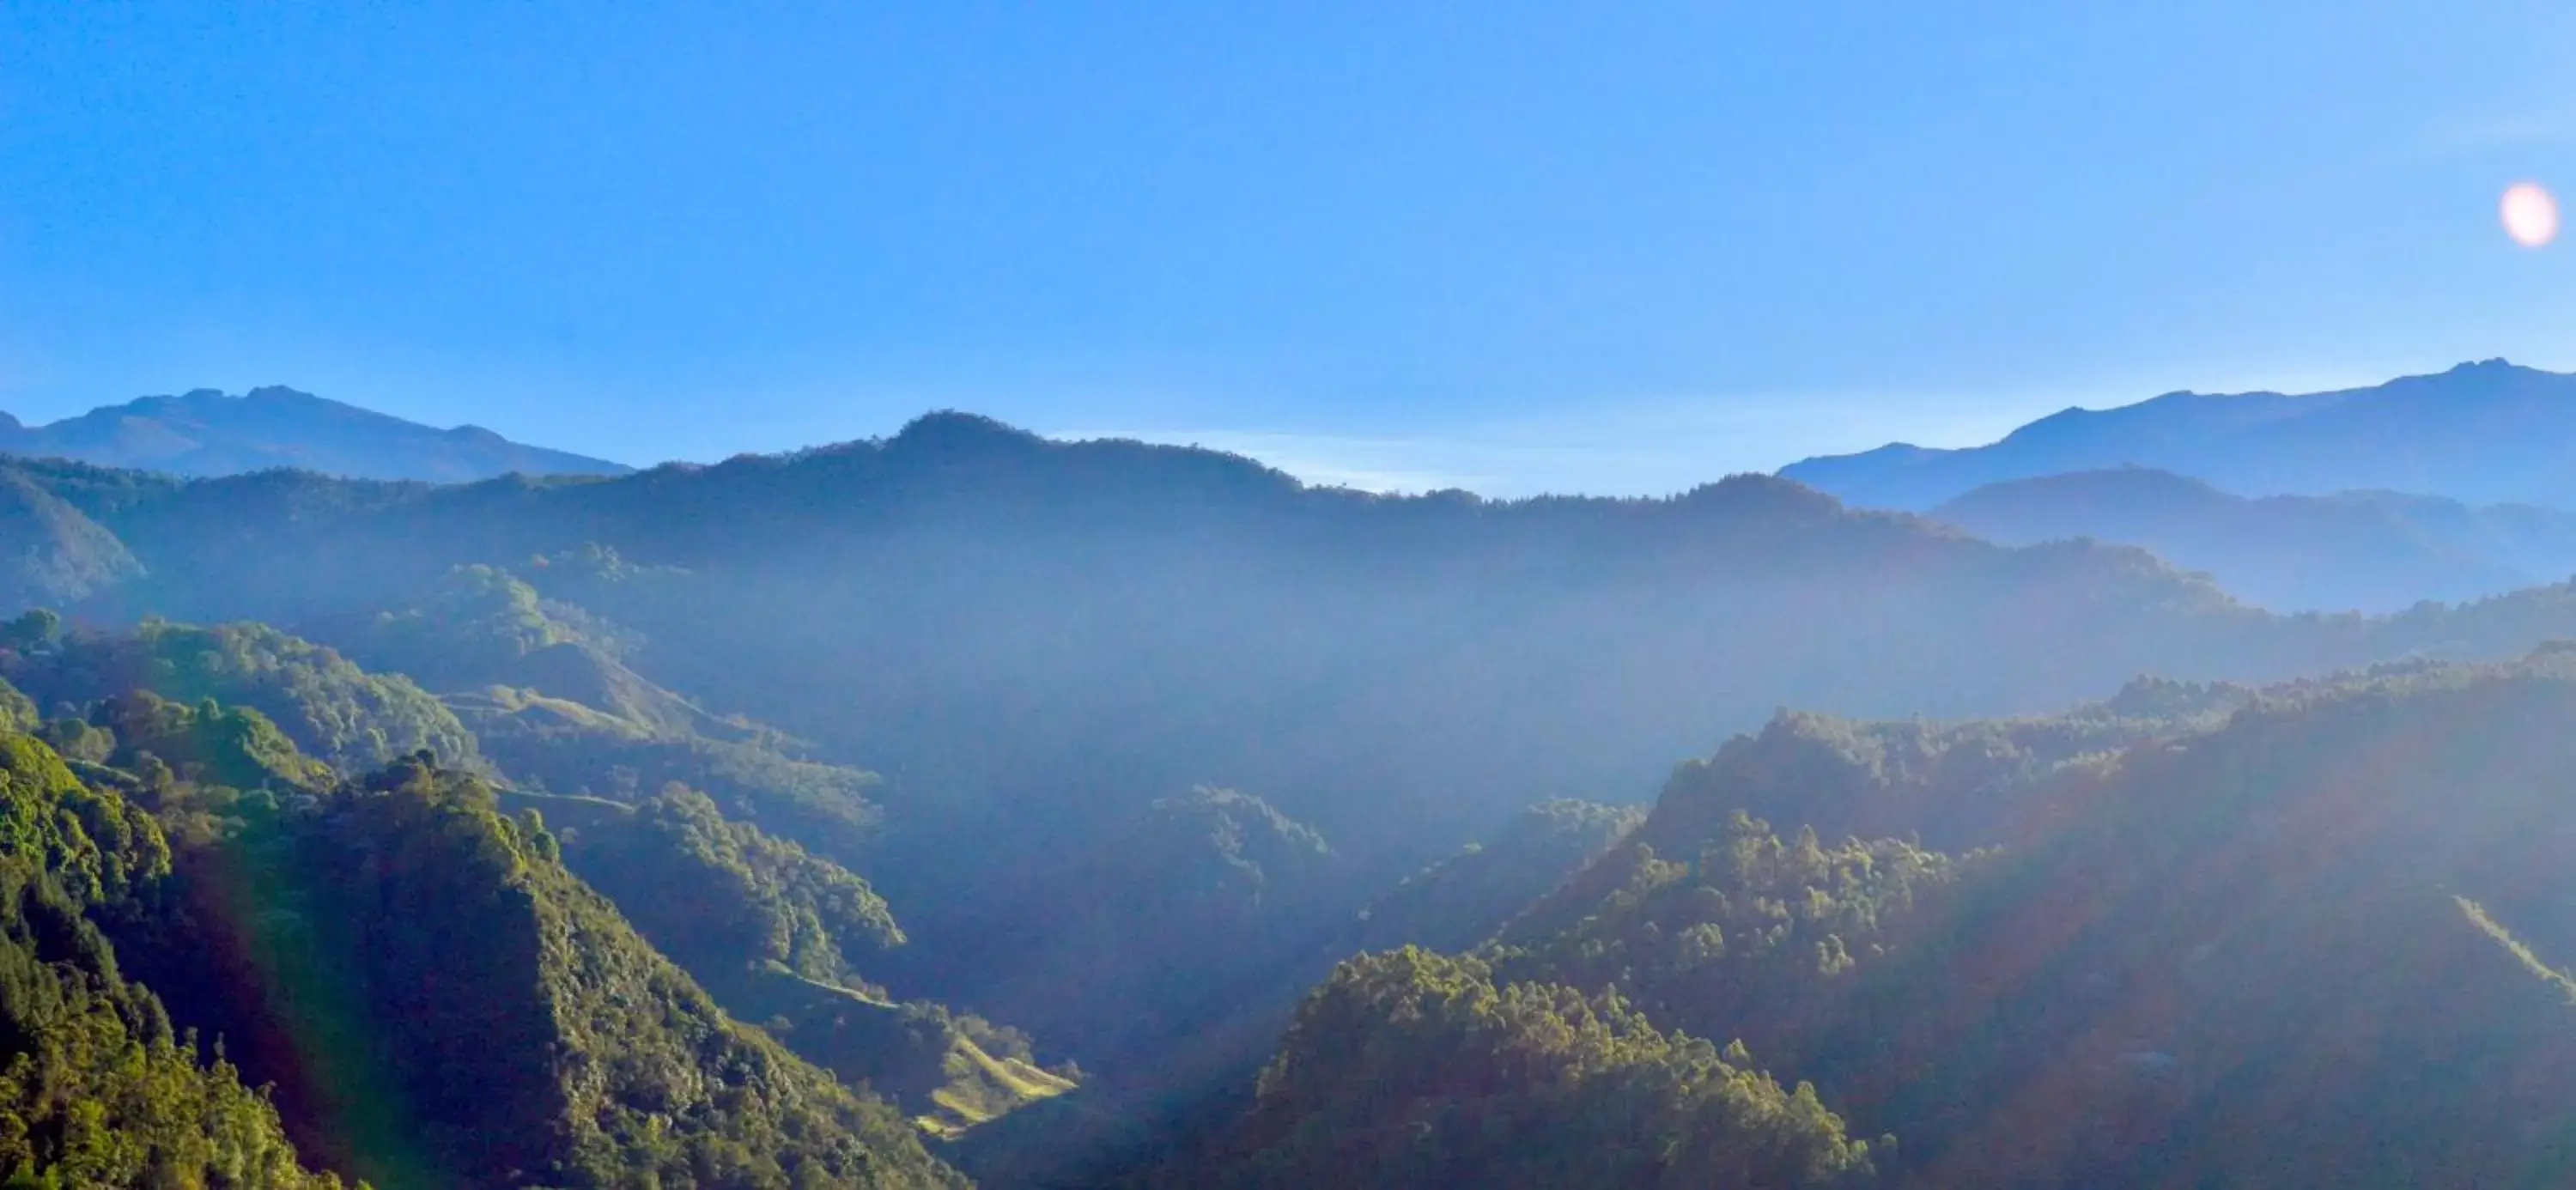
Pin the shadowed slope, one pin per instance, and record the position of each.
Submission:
(2372, 551)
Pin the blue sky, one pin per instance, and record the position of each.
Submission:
(1512, 246)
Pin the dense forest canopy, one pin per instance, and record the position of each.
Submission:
(1413, 1069)
(2212, 954)
(229, 965)
(99, 1088)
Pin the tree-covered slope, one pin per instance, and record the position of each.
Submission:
(790, 940)
(542, 686)
(439, 1001)
(96, 1088)
(751, 898)
(346, 716)
(1413, 1069)
(52, 555)
(775, 931)
(444, 1004)
(563, 746)
(1951, 783)
(2213, 955)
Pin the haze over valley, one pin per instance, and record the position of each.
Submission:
(879, 707)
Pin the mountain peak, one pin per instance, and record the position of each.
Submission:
(205, 432)
(274, 394)
(944, 428)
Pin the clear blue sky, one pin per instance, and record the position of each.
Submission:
(1519, 246)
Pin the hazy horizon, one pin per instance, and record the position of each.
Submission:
(1518, 252)
(1642, 449)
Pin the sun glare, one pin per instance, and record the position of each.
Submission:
(2530, 214)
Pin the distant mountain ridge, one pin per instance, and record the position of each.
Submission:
(205, 432)
(2489, 432)
(2364, 551)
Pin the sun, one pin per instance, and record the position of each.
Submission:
(2530, 214)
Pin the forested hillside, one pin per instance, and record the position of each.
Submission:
(2215, 953)
(234, 967)
(99, 1089)
(1411, 1069)
(345, 716)
(443, 1004)
(790, 940)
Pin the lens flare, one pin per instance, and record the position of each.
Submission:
(2530, 214)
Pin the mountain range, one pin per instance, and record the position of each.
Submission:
(2486, 433)
(2367, 551)
(205, 432)
(970, 803)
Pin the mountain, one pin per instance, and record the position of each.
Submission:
(1006, 681)
(270, 845)
(786, 938)
(421, 992)
(205, 432)
(2485, 433)
(2370, 551)
(2215, 954)
(773, 932)
(440, 1003)
(50, 554)
(1119, 613)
